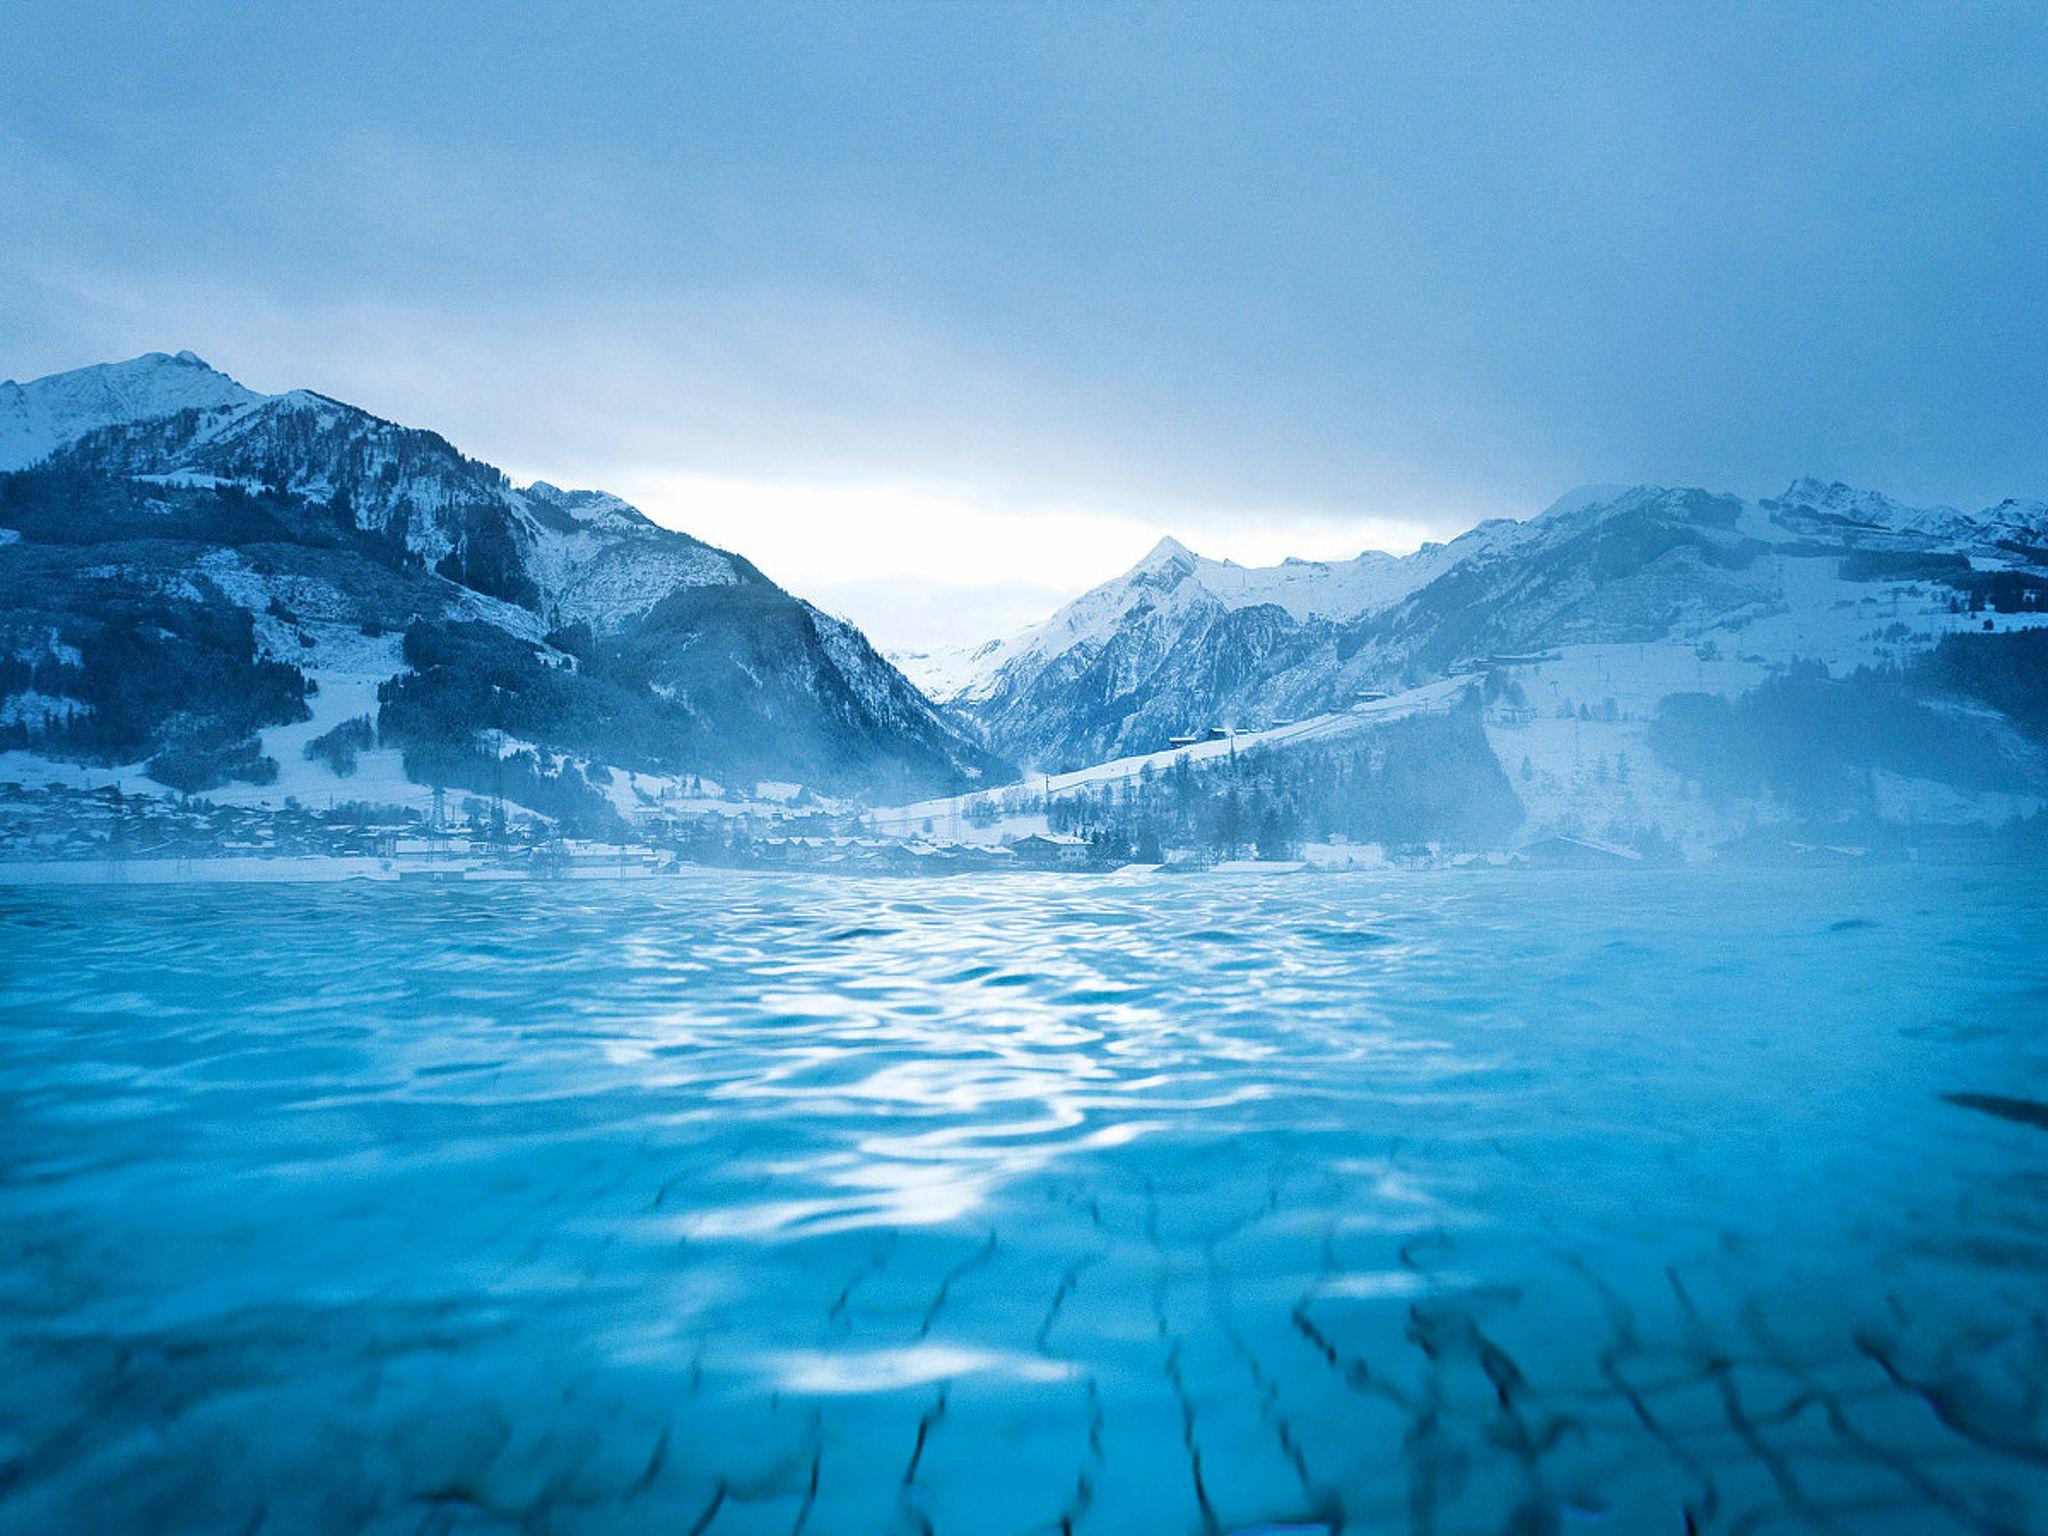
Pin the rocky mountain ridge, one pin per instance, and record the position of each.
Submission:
(1180, 643)
(158, 497)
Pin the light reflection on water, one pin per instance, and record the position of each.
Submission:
(1469, 1203)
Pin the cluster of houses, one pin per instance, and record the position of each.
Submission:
(61, 823)
(878, 855)
(58, 823)
(46, 822)
(436, 857)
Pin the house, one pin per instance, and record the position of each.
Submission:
(1182, 741)
(1051, 850)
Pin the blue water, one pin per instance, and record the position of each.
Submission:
(1491, 1203)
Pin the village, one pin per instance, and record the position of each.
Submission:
(66, 834)
(146, 838)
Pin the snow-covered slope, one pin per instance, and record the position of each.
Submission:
(1871, 519)
(1172, 584)
(945, 671)
(44, 414)
(1180, 643)
(573, 556)
(168, 478)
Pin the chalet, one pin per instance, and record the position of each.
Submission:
(1182, 741)
(1050, 850)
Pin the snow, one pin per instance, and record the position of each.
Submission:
(1724, 625)
(1335, 855)
(1885, 521)
(944, 672)
(597, 577)
(1580, 497)
(594, 558)
(32, 770)
(47, 645)
(1174, 581)
(1428, 699)
(36, 710)
(599, 561)
(42, 415)
(380, 772)
(1576, 773)
(1927, 801)
(1589, 776)
(1319, 589)
(1586, 775)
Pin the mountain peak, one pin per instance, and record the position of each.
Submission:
(1576, 499)
(42, 415)
(1836, 496)
(1168, 552)
(1870, 507)
(1812, 490)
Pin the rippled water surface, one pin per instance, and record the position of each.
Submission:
(728, 1204)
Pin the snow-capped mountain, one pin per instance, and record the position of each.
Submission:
(1180, 643)
(944, 672)
(1174, 582)
(1873, 520)
(251, 533)
(38, 417)
(571, 556)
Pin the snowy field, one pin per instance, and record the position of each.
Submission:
(1477, 1203)
(1601, 775)
(949, 815)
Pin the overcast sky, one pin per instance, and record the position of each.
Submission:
(895, 297)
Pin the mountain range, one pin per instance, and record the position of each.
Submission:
(1181, 644)
(217, 591)
(186, 563)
